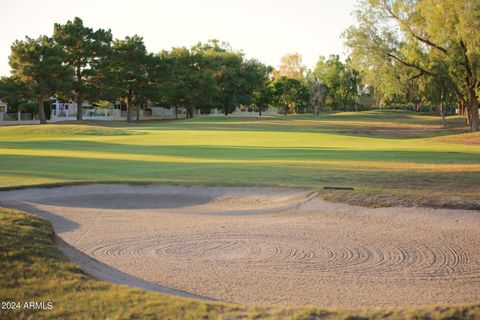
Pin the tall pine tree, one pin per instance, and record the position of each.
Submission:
(37, 63)
(84, 49)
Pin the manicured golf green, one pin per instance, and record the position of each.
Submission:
(389, 157)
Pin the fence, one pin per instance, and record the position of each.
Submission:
(115, 114)
(16, 116)
(26, 116)
(9, 117)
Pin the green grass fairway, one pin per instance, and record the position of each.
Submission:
(33, 269)
(389, 157)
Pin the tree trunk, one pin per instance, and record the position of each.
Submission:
(461, 108)
(78, 71)
(473, 110)
(138, 113)
(474, 121)
(441, 110)
(176, 113)
(468, 115)
(285, 110)
(129, 105)
(189, 112)
(260, 111)
(79, 107)
(41, 111)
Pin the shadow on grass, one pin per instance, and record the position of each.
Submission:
(239, 153)
(356, 124)
(63, 169)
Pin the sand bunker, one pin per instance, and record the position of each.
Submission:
(263, 245)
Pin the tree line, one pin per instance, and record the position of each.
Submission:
(401, 53)
(81, 64)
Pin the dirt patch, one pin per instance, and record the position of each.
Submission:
(265, 245)
(468, 139)
(402, 133)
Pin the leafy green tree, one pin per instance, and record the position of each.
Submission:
(225, 66)
(420, 35)
(15, 93)
(162, 80)
(256, 88)
(227, 71)
(236, 78)
(193, 85)
(84, 50)
(37, 65)
(439, 93)
(129, 70)
(290, 94)
(263, 96)
(340, 79)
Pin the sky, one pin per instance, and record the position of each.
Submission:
(263, 29)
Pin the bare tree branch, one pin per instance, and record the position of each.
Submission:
(411, 65)
(417, 76)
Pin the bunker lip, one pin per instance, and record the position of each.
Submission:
(262, 245)
(104, 272)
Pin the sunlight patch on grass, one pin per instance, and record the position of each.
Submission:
(301, 151)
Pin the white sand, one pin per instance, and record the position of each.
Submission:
(263, 245)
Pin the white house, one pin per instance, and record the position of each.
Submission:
(65, 109)
(62, 111)
(3, 107)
